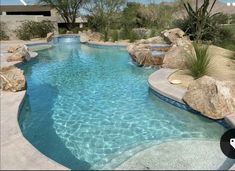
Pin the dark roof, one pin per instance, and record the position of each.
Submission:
(22, 8)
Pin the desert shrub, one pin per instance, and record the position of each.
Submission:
(226, 38)
(3, 35)
(133, 36)
(222, 18)
(198, 63)
(62, 30)
(115, 35)
(33, 29)
(153, 33)
(233, 19)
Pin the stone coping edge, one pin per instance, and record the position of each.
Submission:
(163, 89)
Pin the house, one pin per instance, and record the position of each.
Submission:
(13, 15)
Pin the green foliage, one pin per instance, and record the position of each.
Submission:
(198, 63)
(3, 35)
(222, 18)
(130, 18)
(226, 37)
(106, 35)
(133, 36)
(200, 24)
(62, 30)
(232, 19)
(103, 14)
(33, 29)
(115, 35)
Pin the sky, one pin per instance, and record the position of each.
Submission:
(17, 2)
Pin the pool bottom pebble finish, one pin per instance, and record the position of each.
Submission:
(86, 106)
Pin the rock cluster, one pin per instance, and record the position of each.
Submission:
(213, 98)
(19, 54)
(88, 36)
(12, 79)
(167, 50)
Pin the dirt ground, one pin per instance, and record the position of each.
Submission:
(222, 67)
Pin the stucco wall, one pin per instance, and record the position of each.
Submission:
(13, 21)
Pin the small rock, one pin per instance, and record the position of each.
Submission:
(214, 99)
(12, 79)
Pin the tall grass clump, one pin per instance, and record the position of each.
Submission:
(198, 63)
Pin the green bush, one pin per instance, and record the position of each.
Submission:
(226, 37)
(233, 19)
(3, 35)
(115, 35)
(33, 29)
(198, 63)
(153, 33)
(62, 30)
(133, 37)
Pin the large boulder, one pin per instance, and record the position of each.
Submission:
(88, 36)
(214, 99)
(21, 54)
(142, 55)
(175, 57)
(12, 79)
(182, 45)
(172, 35)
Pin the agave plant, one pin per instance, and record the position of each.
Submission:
(201, 23)
(198, 63)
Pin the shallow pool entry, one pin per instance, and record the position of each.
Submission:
(88, 105)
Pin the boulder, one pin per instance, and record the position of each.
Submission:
(142, 56)
(172, 35)
(12, 79)
(49, 36)
(174, 58)
(213, 98)
(22, 54)
(88, 36)
(13, 49)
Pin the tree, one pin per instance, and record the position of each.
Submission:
(67, 9)
(104, 13)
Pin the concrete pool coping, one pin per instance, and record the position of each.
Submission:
(17, 152)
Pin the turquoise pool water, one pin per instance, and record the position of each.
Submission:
(86, 106)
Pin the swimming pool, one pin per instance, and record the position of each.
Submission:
(87, 105)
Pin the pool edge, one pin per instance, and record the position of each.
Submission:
(160, 86)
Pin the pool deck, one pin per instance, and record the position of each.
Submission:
(16, 151)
